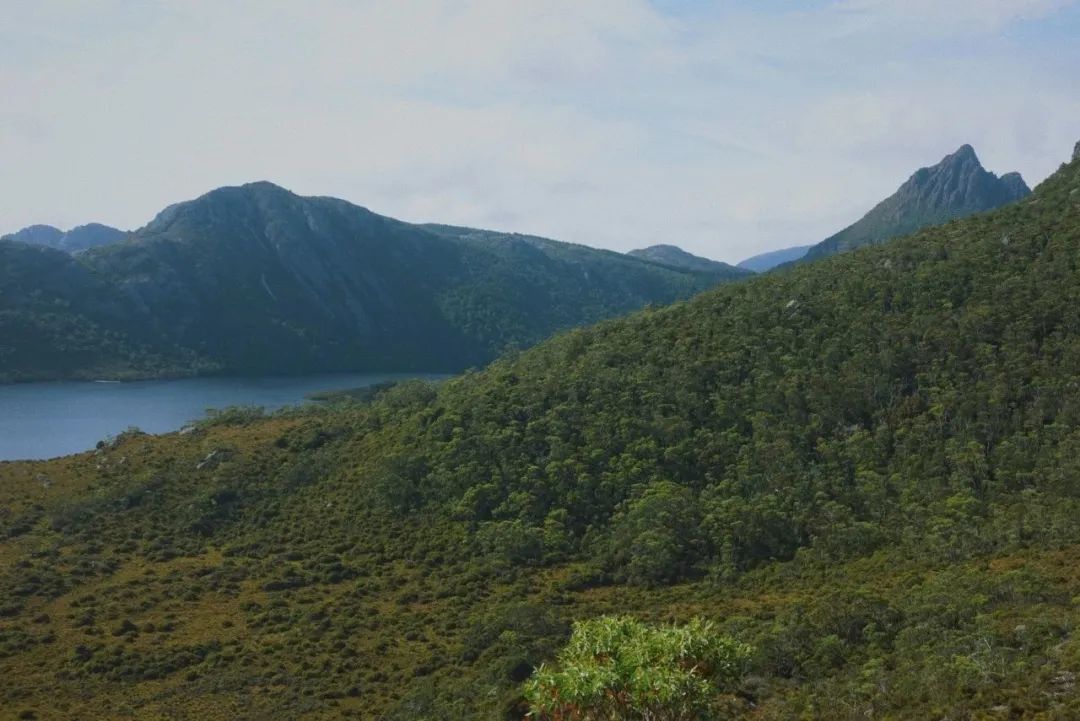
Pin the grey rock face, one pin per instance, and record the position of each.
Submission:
(955, 187)
(1076, 151)
(1014, 186)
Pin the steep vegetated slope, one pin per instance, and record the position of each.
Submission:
(954, 188)
(255, 279)
(57, 315)
(864, 468)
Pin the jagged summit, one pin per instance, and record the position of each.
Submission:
(963, 154)
(955, 187)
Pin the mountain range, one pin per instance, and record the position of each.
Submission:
(256, 279)
(863, 470)
(956, 187)
(77, 239)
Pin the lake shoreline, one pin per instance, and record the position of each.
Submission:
(52, 419)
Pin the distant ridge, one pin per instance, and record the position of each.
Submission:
(956, 187)
(676, 257)
(767, 261)
(256, 279)
(83, 237)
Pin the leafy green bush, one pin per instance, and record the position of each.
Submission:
(620, 668)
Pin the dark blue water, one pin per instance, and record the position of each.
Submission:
(44, 420)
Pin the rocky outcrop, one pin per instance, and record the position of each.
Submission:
(956, 187)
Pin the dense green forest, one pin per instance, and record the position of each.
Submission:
(862, 473)
(258, 280)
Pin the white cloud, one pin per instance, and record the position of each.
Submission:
(949, 16)
(599, 121)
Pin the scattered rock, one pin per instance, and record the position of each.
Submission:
(213, 459)
(44, 480)
(1063, 682)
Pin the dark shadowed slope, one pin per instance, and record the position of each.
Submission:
(255, 279)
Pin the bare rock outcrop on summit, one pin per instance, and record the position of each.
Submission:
(956, 187)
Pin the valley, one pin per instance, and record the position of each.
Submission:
(864, 468)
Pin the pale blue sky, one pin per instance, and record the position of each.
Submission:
(727, 128)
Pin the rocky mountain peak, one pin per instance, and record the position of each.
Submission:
(956, 186)
(964, 154)
(1014, 182)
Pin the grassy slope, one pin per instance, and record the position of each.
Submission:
(387, 622)
(885, 568)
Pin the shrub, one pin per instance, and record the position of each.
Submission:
(620, 668)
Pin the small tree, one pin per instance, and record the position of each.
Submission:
(619, 669)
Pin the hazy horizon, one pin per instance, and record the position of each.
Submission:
(727, 129)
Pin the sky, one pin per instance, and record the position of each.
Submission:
(727, 128)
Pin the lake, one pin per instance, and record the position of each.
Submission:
(45, 420)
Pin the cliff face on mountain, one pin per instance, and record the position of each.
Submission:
(956, 187)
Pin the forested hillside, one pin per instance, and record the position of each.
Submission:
(255, 279)
(864, 469)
